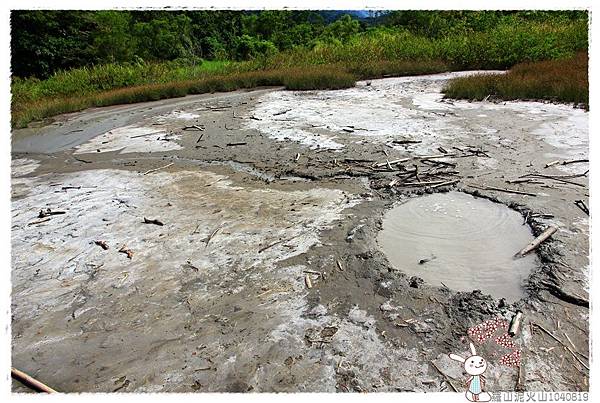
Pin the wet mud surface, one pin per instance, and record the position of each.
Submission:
(459, 241)
(266, 274)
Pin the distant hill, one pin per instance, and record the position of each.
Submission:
(332, 15)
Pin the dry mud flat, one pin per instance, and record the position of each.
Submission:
(233, 242)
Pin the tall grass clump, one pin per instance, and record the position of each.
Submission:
(563, 80)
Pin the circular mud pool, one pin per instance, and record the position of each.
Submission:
(465, 242)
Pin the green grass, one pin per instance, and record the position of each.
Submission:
(372, 54)
(562, 80)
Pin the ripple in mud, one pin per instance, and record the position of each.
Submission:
(465, 242)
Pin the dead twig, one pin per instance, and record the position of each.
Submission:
(102, 244)
(503, 190)
(549, 333)
(126, 251)
(40, 221)
(147, 134)
(193, 127)
(154, 221)
(212, 234)
(158, 169)
(581, 204)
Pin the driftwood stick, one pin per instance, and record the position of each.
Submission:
(537, 241)
(30, 381)
(450, 182)
(386, 163)
(515, 323)
(562, 343)
(504, 190)
(158, 169)
(147, 134)
(581, 204)
(153, 221)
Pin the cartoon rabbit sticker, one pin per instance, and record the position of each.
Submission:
(475, 366)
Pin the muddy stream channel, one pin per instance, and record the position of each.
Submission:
(316, 241)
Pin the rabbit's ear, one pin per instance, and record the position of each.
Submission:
(472, 349)
(456, 357)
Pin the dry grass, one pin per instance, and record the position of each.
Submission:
(563, 80)
(331, 76)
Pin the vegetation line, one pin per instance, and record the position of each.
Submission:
(65, 61)
(564, 80)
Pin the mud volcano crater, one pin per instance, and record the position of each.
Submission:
(461, 241)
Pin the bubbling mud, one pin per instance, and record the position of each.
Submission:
(460, 241)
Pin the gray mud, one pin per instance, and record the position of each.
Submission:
(459, 241)
(216, 299)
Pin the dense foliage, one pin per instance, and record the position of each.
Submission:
(44, 42)
(63, 61)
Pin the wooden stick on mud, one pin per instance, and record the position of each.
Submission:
(450, 182)
(446, 377)
(581, 204)
(537, 241)
(562, 343)
(30, 381)
(158, 169)
(515, 323)
(147, 134)
(153, 221)
(308, 281)
(386, 163)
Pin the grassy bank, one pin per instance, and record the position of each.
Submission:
(562, 80)
(329, 65)
(27, 108)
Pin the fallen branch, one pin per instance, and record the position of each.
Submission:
(240, 143)
(102, 244)
(155, 222)
(504, 190)
(282, 112)
(40, 221)
(581, 204)
(158, 169)
(147, 134)
(261, 250)
(450, 182)
(48, 212)
(537, 241)
(406, 141)
(193, 127)
(126, 251)
(30, 381)
(562, 344)
(388, 163)
(212, 234)
(515, 323)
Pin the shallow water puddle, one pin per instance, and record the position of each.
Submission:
(467, 243)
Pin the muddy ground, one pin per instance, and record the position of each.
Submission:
(260, 193)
